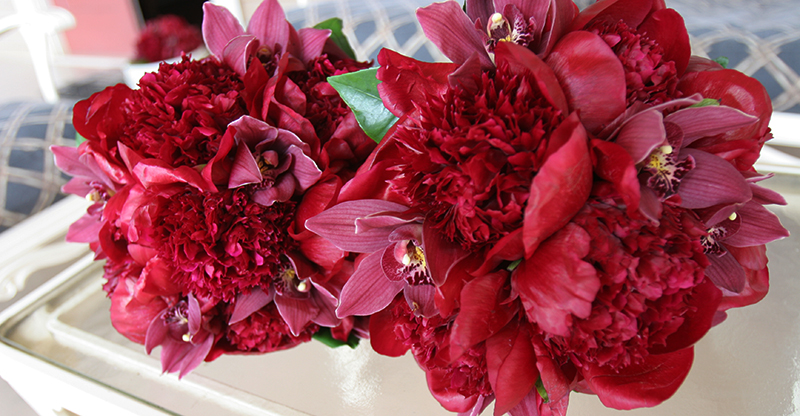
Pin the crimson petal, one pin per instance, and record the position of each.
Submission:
(520, 60)
(441, 253)
(421, 299)
(561, 186)
(703, 301)
(592, 77)
(726, 272)
(448, 27)
(406, 81)
(667, 28)
(555, 283)
(640, 385)
(246, 304)
(511, 367)
(245, 169)
(616, 166)
(382, 337)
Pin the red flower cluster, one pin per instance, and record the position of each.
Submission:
(166, 37)
(568, 206)
(202, 179)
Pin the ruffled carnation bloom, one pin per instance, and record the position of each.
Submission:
(166, 37)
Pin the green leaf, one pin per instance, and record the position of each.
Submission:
(540, 389)
(337, 36)
(722, 60)
(513, 265)
(359, 90)
(324, 336)
(79, 139)
(706, 102)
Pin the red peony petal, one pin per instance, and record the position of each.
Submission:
(713, 181)
(405, 81)
(561, 186)
(555, 283)
(521, 60)
(446, 25)
(592, 78)
(482, 314)
(703, 304)
(219, 27)
(129, 316)
(157, 279)
(382, 336)
(641, 385)
(368, 290)
(667, 28)
(616, 166)
(441, 253)
(511, 366)
(631, 12)
(338, 225)
(439, 384)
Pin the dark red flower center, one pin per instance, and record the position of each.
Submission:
(264, 331)
(469, 157)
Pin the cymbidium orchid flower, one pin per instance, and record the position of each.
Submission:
(180, 332)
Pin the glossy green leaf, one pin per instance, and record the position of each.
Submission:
(359, 90)
(79, 139)
(324, 336)
(337, 36)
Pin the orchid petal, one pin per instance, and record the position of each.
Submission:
(645, 384)
(196, 355)
(67, 159)
(726, 272)
(246, 304)
(698, 122)
(219, 27)
(252, 131)
(238, 51)
(559, 19)
(281, 191)
(194, 315)
(592, 77)
(296, 312)
(641, 134)
(304, 170)
(713, 181)
(156, 333)
(245, 169)
(313, 41)
(555, 283)
(326, 302)
(338, 225)
(560, 188)
(759, 226)
(85, 229)
(420, 298)
(649, 204)
(448, 27)
(441, 254)
(269, 25)
(368, 290)
(480, 10)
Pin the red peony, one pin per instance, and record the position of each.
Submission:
(166, 37)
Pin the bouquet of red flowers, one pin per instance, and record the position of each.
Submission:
(569, 205)
(166, 37)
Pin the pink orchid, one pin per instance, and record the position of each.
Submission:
(535, 24)
(268, 34)
(397, 247)
(180, 332)
(276, 161)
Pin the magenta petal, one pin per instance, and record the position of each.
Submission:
(219, 27)
(698, 122)
(156, 172)
(560, 188)
(313, 41)
(338, 225)
(446, 25)
(252, 131)
(556, 283)
(269, 25)
(368, 290)
(726, 272)
(713, 181)
(592, 78)
(85, 229)
(480, 10)
(326, 303)
(649, 204)
(237, 53)
(156, 333)
(304, 169)
(194, 315)
(641, 134)
(281, 191)
(67, 159)
(296, 312)
(246, 304)
(511, 366)
(420, 298)
(759, 226)
(195, 356)
(392, 269)
(245, 170)
(640, 385)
